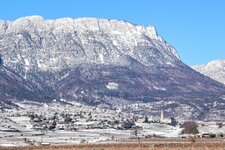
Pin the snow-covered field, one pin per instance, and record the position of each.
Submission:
(60, 124)
(87, 135)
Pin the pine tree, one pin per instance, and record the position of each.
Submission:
(146, 120)
(1, 61)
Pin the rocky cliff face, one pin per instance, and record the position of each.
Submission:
(33, 46)
(103, 61)
(214, 69)
(53, 45)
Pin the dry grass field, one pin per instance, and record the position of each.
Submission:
(176, 144)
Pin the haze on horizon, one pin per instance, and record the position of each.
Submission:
(194, 28)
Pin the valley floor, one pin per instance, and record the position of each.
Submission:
(57, 124)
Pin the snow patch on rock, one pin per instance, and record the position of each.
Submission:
(112, 86)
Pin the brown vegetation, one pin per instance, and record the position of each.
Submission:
(169, 144)
(189, 128)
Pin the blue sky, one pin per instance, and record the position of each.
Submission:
(196, 28)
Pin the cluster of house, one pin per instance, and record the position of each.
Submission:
(70, 119)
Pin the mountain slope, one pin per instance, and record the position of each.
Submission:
(13, 87)
(101, 61)
(118, 86)
(137, 83)
(214, 69)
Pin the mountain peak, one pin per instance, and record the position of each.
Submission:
(217, 63)
(102, 23)
(34, 19)
(70, 42)
(87, 23)
(214, 69)
(214, 64)
(152, 30)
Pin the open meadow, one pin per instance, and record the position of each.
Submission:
(155, 144)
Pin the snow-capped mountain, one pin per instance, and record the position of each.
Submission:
(53, 45)
(214, 69)
(98, 61)
(32, 46)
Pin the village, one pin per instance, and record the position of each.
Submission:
(73, 123)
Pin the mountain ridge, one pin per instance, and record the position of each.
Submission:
(32, 45)
(102, 61)
(214, 69)
(68, 25)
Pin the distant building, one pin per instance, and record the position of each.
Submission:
(45, 144)
(164, 119)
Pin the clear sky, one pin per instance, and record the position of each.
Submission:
(196, 28)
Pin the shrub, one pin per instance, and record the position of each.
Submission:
(189, 128)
